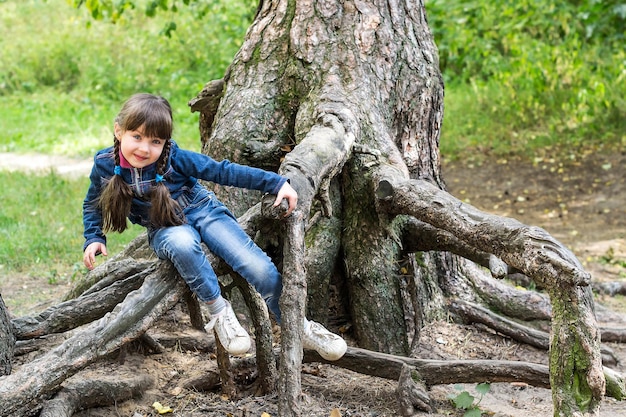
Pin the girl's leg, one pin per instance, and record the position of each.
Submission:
(225, 238)
(181, 245)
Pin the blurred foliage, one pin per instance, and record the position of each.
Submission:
(521, 76)
(64, 75)
(482, 39)
(525, 74)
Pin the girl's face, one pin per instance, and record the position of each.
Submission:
(138, 149)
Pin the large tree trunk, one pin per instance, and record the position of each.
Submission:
(7, 340)
(350, 94)
(367, 73)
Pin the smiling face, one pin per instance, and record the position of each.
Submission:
(143, 127)
(139, 149)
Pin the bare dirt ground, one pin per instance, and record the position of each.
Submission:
(580, 200)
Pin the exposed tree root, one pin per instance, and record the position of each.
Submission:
(91, 393)
(438, 372)
(209, 381)
(82, 310)
(613, 335)
(23, 391)
(575, 356)
(158, 291)
(39, 379)
(509, 301)
(412, 393)
(610, 288)
(473, 313)
(7, 340)
(190, 340)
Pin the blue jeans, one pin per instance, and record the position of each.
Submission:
(209, 221)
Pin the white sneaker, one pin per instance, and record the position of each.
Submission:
(329, 345)
(231, 335)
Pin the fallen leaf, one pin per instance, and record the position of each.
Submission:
(160, 408)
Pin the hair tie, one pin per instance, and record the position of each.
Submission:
(117, 170)
(159, 178)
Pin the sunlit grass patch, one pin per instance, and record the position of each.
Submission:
(41, 225)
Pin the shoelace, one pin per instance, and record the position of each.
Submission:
(317, 331)
(231, 324)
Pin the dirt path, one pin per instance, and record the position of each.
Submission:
(40, 163)
(581, 201)
(578, 200)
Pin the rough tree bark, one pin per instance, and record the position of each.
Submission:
(346, 99)
(352, 93)
(7, 340)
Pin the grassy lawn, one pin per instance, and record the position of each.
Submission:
(41, 224)
(64, 76)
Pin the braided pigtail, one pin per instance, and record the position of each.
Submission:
(116, 198)
(164, 210)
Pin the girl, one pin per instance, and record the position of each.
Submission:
(148, 179)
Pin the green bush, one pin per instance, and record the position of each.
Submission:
(521, 75)
(479, 39)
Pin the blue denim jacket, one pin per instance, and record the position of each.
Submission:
(183, 171)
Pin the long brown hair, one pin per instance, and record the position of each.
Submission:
(154, 114)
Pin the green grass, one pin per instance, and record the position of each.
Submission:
(41, 223)
(479, 124)
(63, 76)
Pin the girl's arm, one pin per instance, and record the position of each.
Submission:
(203, 167)
(92, 215)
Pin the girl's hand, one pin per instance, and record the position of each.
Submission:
(94, 249)
(287, 191)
